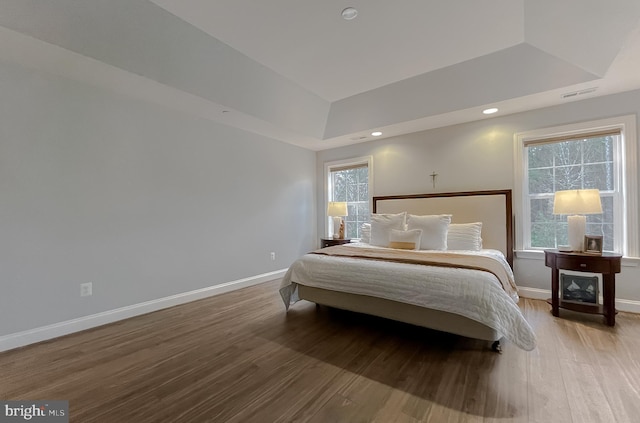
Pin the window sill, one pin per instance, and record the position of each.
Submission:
(530, 254)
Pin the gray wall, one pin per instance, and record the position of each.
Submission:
(479, 155)
(142, 38)
(142, 201)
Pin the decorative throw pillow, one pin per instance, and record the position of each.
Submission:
(365, 233)
(434, 230)
(405, 240)
(465, 236)
(381, 226)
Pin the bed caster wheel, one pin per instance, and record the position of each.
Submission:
(495, 347)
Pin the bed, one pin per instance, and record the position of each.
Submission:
(468, 291)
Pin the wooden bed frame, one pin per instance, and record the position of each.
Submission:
(493, 208)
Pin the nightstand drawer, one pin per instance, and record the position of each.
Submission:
(583, 264)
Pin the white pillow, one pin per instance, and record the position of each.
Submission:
(465, 236)
(381, 226)
(405, 240)
(434, 230)
(365, 233)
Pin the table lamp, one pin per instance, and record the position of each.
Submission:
(576, 203)
(337, 210)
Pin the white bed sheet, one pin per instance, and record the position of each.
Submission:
(474, 294)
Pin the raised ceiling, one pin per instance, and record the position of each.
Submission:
(309, 43)
(296, 71)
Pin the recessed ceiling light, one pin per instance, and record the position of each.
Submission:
(490, 111)
(376, 133)
(349, 13)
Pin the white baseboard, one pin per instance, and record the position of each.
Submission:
(534, 293)
(31, 336)
(630, 306)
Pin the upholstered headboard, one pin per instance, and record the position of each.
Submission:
(493, 208)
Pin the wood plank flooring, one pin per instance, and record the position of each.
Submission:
(239, 357)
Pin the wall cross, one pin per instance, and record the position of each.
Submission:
(434, 175)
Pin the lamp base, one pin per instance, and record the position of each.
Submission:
(577, 225)
(337, 222)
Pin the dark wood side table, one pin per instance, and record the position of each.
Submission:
(330, 242)
(607, 264)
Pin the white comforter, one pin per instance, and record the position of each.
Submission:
(474, 294)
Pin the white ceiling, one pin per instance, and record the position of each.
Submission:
(400, 66)
(309, 43)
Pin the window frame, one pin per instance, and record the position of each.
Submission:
(353, 162)
(626, 156)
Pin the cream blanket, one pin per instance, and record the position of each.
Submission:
(431, 258)
(477, 295)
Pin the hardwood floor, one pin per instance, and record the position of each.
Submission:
(239, 357)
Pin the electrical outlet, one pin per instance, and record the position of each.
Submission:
(86, 289)
(273, 256)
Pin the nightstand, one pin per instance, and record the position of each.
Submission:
(330, 242)
(607, 264)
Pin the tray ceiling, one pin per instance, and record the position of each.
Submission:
(296, 71)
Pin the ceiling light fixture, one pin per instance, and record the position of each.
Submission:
(376, 133)
(490, 111)
(349, 13)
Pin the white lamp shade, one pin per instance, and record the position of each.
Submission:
(337, 208)
(577, 201)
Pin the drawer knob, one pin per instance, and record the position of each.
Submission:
(583, 265)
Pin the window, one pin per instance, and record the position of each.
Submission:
(350, 181)
(590, 155)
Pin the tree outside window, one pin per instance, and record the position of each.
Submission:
(573, 164)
